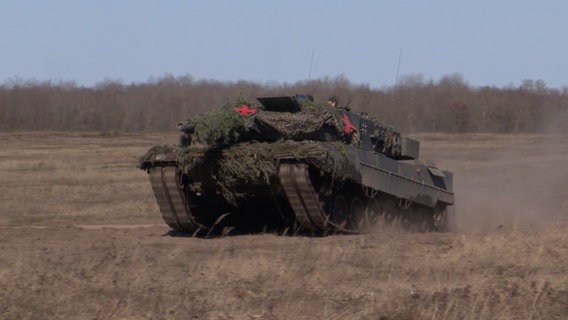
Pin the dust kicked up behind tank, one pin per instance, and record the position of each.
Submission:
(290, 164)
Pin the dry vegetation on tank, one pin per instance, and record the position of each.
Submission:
(508, 259)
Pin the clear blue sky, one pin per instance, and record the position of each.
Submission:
(488, 42)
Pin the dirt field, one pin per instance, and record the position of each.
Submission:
(508, 259)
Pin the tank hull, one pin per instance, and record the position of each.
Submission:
(295, 186)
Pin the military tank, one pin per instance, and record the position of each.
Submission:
(290, 164)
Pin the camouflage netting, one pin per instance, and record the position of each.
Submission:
(298, 125)
(312, 120)
(391, 143)
(229, 145)
(241, 166)
(227, 126)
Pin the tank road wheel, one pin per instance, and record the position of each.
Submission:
(340, 212)
(391, 211)
(422, 219)
(357, 214)
(441, 219)
(373, 214)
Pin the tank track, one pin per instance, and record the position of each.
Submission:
(174, 206)
(352, 211)
(307, 207)
(314, 212)
(295, 180)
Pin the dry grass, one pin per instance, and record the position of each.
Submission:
(70, 178)
(503, 263)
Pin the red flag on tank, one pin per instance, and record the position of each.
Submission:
(348, 126)
(244, 110)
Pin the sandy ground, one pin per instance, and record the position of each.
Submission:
(82, 238)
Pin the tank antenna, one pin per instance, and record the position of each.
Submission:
(398, 69)
(311, 63)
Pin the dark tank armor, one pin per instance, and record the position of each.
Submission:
(290, 164)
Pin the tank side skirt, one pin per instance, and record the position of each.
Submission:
(399, 186)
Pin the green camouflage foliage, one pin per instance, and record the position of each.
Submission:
(218, 148)
(240, 166)
(220, 128)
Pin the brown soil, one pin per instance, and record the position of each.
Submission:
(81, 238)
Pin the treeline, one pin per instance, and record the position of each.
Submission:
(413, 105)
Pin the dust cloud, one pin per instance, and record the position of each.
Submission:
(505, 181)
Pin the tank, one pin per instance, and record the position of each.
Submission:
(295, 166)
